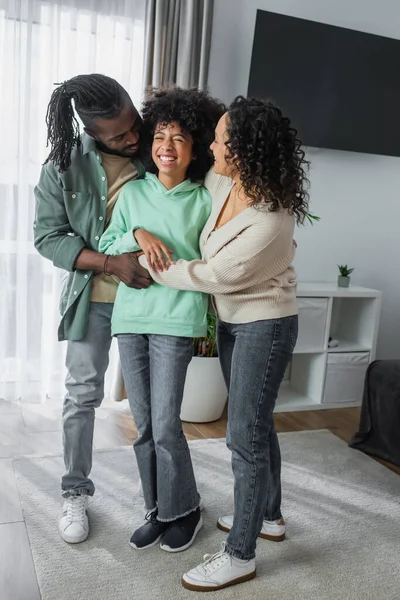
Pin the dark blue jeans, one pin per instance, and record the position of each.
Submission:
(254, 357)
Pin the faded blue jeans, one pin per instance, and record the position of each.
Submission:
(154, 369)
(86, 362)
(254, 357)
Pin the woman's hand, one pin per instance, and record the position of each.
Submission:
(158, 255)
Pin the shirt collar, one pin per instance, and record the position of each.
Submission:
(88, 143)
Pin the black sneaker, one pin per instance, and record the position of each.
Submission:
(182, 532)
(150, 533)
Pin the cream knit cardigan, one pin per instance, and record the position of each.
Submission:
(246, 263)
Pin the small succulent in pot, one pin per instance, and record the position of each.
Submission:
(344, 276)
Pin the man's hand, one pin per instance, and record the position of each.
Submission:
(158, 255)
(127, 268)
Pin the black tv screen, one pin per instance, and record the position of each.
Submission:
(340, 88)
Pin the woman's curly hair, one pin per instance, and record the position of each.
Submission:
(267, 154)
(195, 111)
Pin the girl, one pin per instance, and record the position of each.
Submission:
(155, 326)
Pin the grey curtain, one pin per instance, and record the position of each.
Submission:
(177, 43)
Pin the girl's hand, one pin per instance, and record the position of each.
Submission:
(158, 255)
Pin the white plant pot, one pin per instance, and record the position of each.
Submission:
(343, 282)
(205, 394)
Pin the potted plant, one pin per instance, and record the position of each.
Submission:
(205, 394)
(344, 276)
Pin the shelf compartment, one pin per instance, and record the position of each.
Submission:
(346, 346)
(291, 400)
(313, 314)
(354, 324)
(345, 374)
(303, 385)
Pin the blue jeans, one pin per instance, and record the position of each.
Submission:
(254, 357)
(86, 362)
(154, 369)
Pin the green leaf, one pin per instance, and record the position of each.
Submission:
(312, 218)
(207, 346)
(344, 270)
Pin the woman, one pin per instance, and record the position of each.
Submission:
(247, 251)
(155, 326)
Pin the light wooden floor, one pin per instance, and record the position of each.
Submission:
(36, 429)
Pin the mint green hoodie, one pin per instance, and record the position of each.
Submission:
(177, 217)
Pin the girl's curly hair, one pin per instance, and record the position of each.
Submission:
(195, 111)
(267, 154)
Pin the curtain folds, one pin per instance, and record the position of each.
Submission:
(42, 42)
(178, 37)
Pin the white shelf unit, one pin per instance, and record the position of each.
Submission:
(322, 377)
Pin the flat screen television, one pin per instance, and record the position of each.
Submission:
(340, 87)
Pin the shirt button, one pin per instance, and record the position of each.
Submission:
(86, 276)
(97, 238)
(101, 218)
(74, 195)
(103, 178)
(103, 197)
(75, 293)
(98, 157)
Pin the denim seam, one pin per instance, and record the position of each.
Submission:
(76, 492)
(241, 540)
(189, 467)
(247, 518)
(186, 451)
(293, 332)
(192, 510)
(239, 555)
(267, 370)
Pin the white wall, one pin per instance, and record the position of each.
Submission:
(357, 196)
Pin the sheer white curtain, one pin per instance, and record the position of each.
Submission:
(43, 42)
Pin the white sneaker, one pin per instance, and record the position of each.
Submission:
(74, 524)
(219, 571)
(271, 530)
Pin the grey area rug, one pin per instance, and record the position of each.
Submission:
(342, 510)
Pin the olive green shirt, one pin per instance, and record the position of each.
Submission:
(70, 216)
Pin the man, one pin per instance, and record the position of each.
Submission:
(75, 196)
